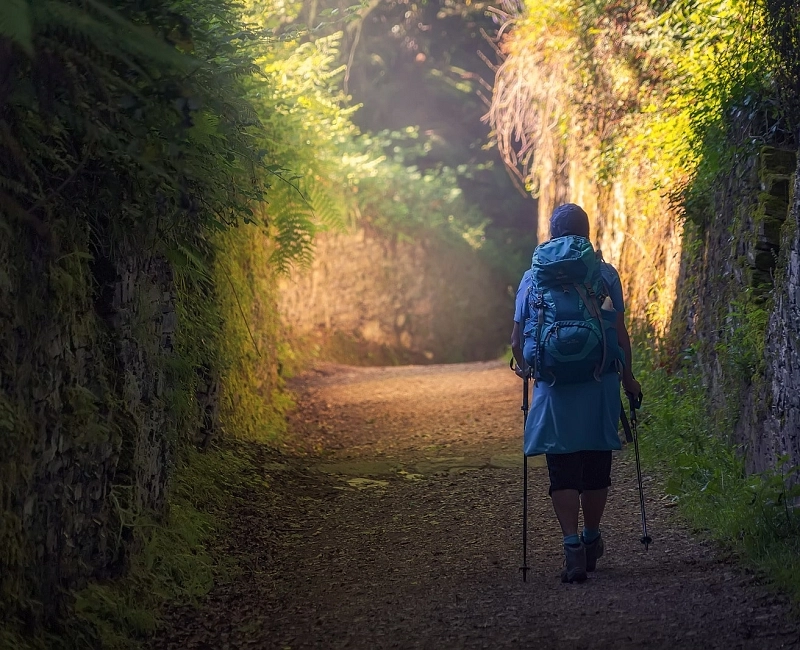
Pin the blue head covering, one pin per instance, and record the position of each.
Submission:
(569, 219)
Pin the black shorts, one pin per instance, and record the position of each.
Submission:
(582, 470)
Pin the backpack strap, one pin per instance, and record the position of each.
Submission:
(538, 303)
(590, 300)
(539, 323)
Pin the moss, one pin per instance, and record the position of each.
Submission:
(174, 564)
(776, 165)
(251, 407)
(773, 207)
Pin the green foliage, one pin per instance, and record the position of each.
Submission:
(745, 338)
(429, 65)
(721, 95)
(202, 144)
(173, 564)
(399, 192)
(163, 121)
(655, 84)
(304, 127)
(750, 515)
(15, 24)
(398, 197)
(127, 137)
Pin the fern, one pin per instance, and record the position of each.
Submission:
(291, 225)
(327, 202)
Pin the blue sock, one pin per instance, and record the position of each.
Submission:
(590, 535)
(572, 540)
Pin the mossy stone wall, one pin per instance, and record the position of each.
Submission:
(772, 420)
(86, 435)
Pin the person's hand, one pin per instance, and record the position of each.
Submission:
(631, 386)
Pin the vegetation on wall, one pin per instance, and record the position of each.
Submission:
(430, 65)
(660, 104)
(121, 157)
(749, 516)
(630, 84)
(162, 163)
(682, 115)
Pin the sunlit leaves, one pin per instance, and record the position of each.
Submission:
(717, 54)
(641, 86)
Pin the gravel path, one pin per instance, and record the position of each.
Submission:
(395, 522)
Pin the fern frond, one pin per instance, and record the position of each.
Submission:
(291, 225)
(329, 209)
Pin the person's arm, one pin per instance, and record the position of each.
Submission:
(516, 349)
(629, 382)
(520, 314)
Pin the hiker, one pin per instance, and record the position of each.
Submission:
(575, 424)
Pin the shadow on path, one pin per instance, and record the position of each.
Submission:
(396, 523)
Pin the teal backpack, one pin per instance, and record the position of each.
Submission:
(568, 337)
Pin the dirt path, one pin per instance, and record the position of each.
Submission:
(400, 528)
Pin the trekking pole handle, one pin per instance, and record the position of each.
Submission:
(526, 369)
(635, 402)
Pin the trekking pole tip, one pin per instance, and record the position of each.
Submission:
(646, 540)
(524, 570)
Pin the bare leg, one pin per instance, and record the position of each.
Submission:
(566, 504)
(594, 503)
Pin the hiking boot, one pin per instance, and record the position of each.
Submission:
(574, 563)
(594, 552)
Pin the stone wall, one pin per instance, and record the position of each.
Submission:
(773, 426)
(427, 301)
(737, 280)
(85, 432)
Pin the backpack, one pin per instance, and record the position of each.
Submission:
(568, 337)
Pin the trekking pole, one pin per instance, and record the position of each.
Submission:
(524, 568)
(636, 402)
